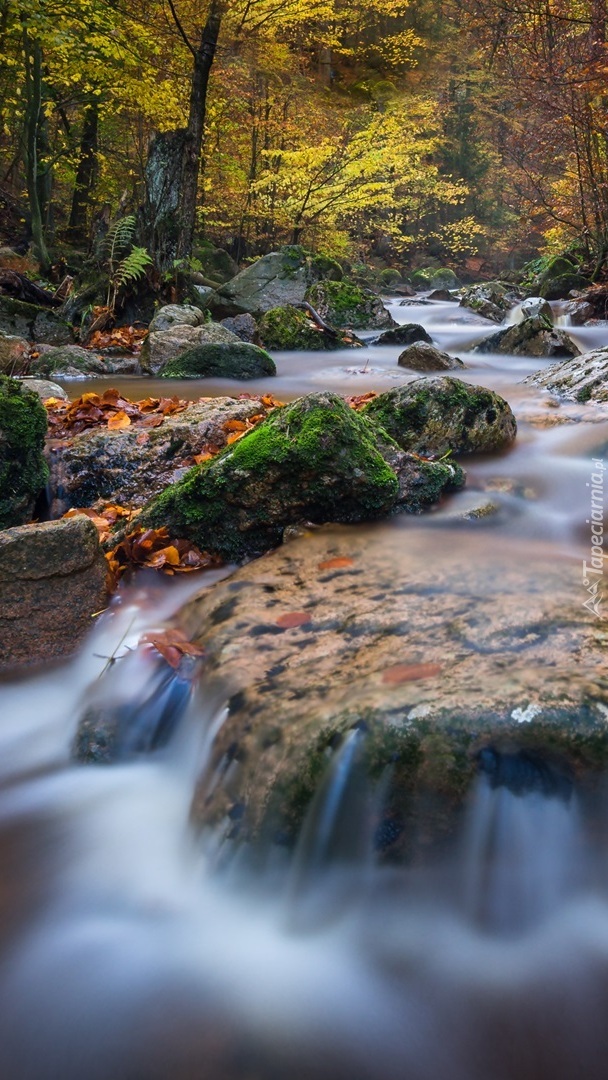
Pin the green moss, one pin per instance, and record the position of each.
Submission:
(345, 304)
(23, 470)
(444, 278)
(557, 288)
(288, 328)
(326, 269)
(389, 277)
(420, 280)
(238, 360)
(314, 460)
(584, 394)
(437, 415)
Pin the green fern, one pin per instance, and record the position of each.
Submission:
(119, 238)
(131, 268)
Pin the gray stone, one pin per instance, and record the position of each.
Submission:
(37, 324)
(244, 326)
(226, 360)
(14, 353)
(176, 315)
(44, 388)
(535, 307)
(275, 280)
(68, 362)
(582, 379)
(53, 578)
(424, 357)
(404, 335)
(492, 299)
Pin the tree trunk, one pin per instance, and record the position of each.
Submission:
(85, 174)
(191, 158)
(33, 109)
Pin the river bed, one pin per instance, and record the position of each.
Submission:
(134, 948)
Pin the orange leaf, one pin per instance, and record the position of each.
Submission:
(293, 618)
(119, 420)
(402, 673)
(168, 555)
(198, 458)
(236, 435)
(234, 425)
(336, 564)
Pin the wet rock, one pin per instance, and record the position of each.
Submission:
(44, 388)
(52, 580)
(532, 337)
(122, 365)
(583, 379)
(443, 278)
(404, 335)
(424, 357)
(314, 460)
(444, 295)
(291, 328)
(535, 307)
(428, 651)
(162, 346)
(275, 280)
(131, 465)
(415, 303)
(244, 326)
(68, 362)
(235, 360)
(434, 416)
(39, 324)
(578, 311)
(342, 304)
(492, 299)
(14, 352)
(23, 470)
(176, 315)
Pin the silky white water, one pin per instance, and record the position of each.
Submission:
(134, 947)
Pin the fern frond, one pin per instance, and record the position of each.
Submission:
(131, 268)
(119, 236)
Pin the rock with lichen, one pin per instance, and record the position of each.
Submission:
(23, 470)
(224, 360)
(424, 357)
(531, 337)
(344, 304)
(438, 415)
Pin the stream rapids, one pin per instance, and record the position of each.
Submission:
(134, 947)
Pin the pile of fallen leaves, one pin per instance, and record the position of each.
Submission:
(125, 338)
(110, 410)
(156, 550)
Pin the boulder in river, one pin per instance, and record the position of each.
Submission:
(67, 362)
(404, 335)
(244, 326)
(291, 328)
(343, 304)
(432, 650)
(233, 360)
(583, 378)
(53, 578)
(161, 346)
(313, 460)
(532, 337)
(535, 307)
(434, 416)
(23, 470)
(39, 324)
(492, 299)
(44, 388)
(424, 357)
(560, 287)
(443, 295)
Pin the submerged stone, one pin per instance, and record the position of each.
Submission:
(23, 470)
(404, 335)
(314, 460)
(434, 416)
(233, 360)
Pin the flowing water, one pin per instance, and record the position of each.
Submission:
(135, 948)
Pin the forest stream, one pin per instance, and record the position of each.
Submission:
(144, 942)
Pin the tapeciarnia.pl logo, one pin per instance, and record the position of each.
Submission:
(593, 571)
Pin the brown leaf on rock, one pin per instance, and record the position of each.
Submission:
(234, 425)
(292, 619)
(119, 420)
(172, 644)
(357, 401)
(339, 563)
(402, 673)
(155, 549)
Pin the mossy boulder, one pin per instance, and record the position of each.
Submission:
(343, 304)
(325, 268)
(68, 362)
(38, 324)
(276, 280)
(420, 280)
(161, 346)
(532, 337)
(314, 460)
(176, 315)
(389, 277)
(444, 278)
(557, 267)
(559, 288)
(290, 328)
(404, 335)
(233, 360)
(423, 357)
(216, 263)
(23, 470)
(434, 416)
